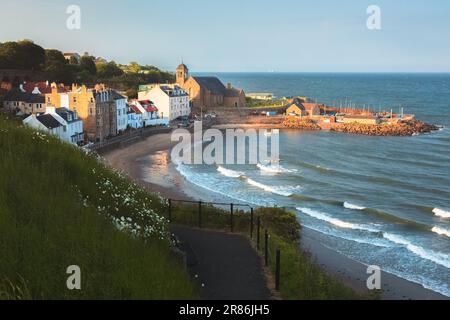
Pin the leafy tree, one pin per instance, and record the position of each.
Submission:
(73, 60)
(132, 93)
(84, 76)
(87, 65)
(134, 67)
(57, 68)
(53, 57)
(108, 70)
(23, 55)
(33, 55)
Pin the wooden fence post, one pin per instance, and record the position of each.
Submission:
(231, 217)
(200, 214)
(266, 248)
(258, 234)
(278, 270)
(251, 223)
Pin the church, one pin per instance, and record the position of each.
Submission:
(209, 92)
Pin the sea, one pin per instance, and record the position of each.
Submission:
(382, 201)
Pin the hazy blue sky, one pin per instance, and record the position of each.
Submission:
(243, 35)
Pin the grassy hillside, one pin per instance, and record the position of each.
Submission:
(60, 207)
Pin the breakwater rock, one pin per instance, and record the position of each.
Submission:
(299, 123)
(402, 128)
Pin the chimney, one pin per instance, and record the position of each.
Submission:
(229, 86)
(21, 88)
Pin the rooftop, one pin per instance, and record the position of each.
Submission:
(18, 95)
(48, 121)
(212, 84)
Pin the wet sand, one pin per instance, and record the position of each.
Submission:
(135, 160)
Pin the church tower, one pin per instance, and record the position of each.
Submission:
(182, 74)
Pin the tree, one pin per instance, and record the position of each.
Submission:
(73, 60)
(22, 55)
(132, 93)
(87, 65)
(33, 55)
(57, 68)
(54, 56)
(134, 67)
(108, 70)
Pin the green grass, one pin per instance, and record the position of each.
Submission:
(301, 278)
(61, 207)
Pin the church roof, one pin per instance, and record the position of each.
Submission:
(212, 84)
(182, 66)
(233, 92)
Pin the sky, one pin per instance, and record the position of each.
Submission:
(243, 35)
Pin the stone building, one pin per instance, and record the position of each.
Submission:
(96, 107)
(209, 92)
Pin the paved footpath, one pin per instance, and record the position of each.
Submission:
(225, 263)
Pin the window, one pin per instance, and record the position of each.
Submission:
(64, 128)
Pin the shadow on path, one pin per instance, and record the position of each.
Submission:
(226, 264)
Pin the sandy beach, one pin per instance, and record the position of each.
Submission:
(132, 158)
(153, 154)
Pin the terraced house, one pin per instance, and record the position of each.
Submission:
(25, 103)
(96, 107)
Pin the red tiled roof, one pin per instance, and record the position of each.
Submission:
(42, 86)
(148, 105)
(151, 109)
(135, 109)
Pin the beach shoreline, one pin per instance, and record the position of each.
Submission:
(135, 158)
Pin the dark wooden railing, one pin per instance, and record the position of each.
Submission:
(200, 209)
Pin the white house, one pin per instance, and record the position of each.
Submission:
(172, 101)
(135, 117)
(150, 113)
(121, 106)
(60, 122)
(75, 130)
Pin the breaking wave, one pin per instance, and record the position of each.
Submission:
(351, 206)
(441, 213)
(275, 169)
(282, 191)
(441, 231)
(230, 173)
(339, 223)
(436, 257)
